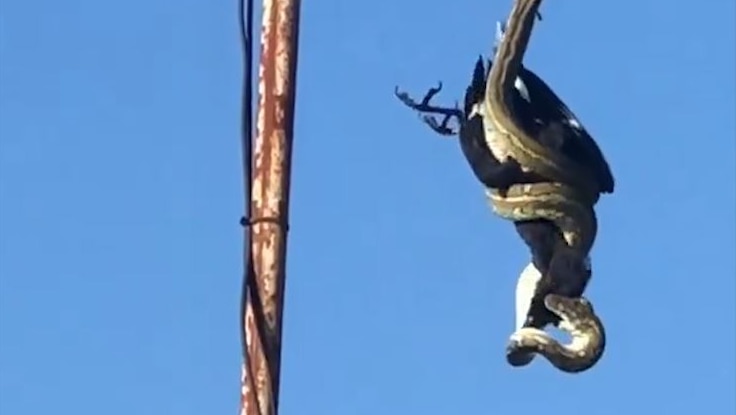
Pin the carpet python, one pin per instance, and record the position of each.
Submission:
(568, 201)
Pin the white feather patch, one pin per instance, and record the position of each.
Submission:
(525, 289)
(521, 88)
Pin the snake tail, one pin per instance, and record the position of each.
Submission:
(579, 320)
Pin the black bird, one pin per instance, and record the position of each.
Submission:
(563, 270)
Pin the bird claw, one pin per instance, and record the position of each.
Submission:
(418, 106)
(440, 127)
(405, 98)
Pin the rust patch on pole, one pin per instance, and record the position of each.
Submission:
(270, 205)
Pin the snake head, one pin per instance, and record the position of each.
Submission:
(579, 320)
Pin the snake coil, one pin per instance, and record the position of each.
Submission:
(578, 319)
(560, 202)
(567, 200)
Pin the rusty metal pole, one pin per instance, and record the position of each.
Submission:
(270, 205)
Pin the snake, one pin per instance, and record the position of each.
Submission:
(567, 201)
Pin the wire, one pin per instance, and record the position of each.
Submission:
(249, 290)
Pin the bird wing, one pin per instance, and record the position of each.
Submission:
(550, 108)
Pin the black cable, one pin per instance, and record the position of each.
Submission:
(249, 290)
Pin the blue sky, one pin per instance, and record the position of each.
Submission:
(120, 192)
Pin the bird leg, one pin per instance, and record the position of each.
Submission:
(440, 127)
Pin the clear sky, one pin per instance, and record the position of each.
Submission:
(121, 189)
